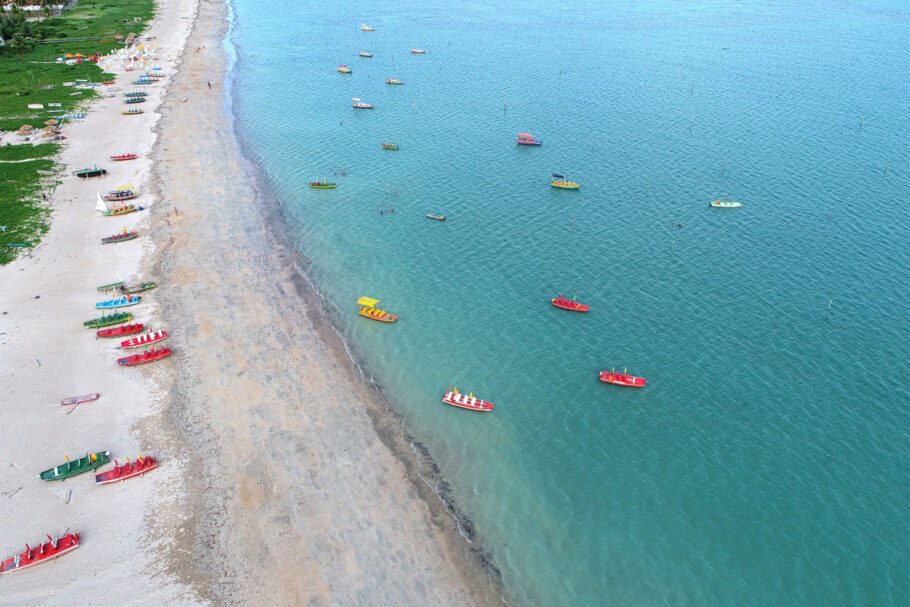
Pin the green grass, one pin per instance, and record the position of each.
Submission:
(22, 211)
(23, 152)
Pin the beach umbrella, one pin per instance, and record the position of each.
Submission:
(46, 135)
(68, 56)
(49, 129)
(25, 129)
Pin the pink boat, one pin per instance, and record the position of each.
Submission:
(144, 340)
(621, 379)
(466, 401)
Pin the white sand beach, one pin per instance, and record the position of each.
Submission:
(281, 480)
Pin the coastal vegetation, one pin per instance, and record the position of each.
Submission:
(40, 60)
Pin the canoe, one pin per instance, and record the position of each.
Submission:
(568, 304)
(75, 400)
(121, 302)
(134, 100)
(43, 553)
(466, 401)
(83, 464)
(120, 157)
(437, 217)
(119, 237)
(725, 204)
(124, 210)
(322, 185)
(144, 340)
(128, 470)
(121, 331)
(144, 357)
(135, 94)
(132, 112)
(106, 321)
(110, 286)
(142, 286)
(621, 379)
(86, 173)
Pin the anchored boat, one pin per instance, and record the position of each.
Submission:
(394, 81)
(344, 69)
(725, 204)
(360, 104)
(322, 184)
(144, 340)
(365, 54)
(131, 469)
(368, 309)
(132, 112)
(44, 552)
(144, 357)
(107, 321)
(418, 51)
(560, 181)
(388, 146)
(125, 192)
(568, 304)
(134, 100)
(88, 462)
(466, 401)
(622, 379)
(135, 94)
(436, 217)
(121, 331)
(528, 139)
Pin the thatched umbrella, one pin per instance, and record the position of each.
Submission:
(46, 135)
(25, 129)
(50, 122)
(49, 129)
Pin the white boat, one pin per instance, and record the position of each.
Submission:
(725, 204)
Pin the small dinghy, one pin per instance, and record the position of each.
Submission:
(466, 401)
(144, 357)
(46, 551)
(144, 340)
(129, 470)
(75, 400)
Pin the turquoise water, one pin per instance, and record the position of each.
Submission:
(766, 462)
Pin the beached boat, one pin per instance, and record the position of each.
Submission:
(388, 146)
(75, 400)
(157, 75)
(365, 28)
(106, 321)
(568, 304)
(136, 94)
(129, 470)
(364, 54)
(528, 139)
(113, 209)
(622, 379)
(368, 309)
(360, 104)
(143, 80)
(121, 331)
(134, 100)
(725, 204)
(75, 116)
(122, 302)
(43, 553)
(124, 193)
(109, 82)
(466, 401)
(144, 357)
(121, 237)
(393, 81)
(322, 184)
(144, 340)
(344, 69)
(69, 469)
(436, 217)
(142, 286)
(108, 287)
(132, 112)
(560, 181)
(87, 172)
(121, 157)
(418, 51)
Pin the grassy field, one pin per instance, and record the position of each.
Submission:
(89, 28)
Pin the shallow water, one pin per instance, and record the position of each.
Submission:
(766, 460)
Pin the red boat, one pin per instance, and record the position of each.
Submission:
(144, 357)
(621, 379)
(568, 304)
(47, 551)
(144, 340)
(120, 331)
(109, 82)
(121, 473)
(124, 157)
(466, 401)
(80, 399)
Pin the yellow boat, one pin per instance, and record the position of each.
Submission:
(560, 181)
(365, 28)
(368, 309)
(344, 69)
(132, 112)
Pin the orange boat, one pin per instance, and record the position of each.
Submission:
(368, 309)
(622, 379)
(466, 401)
(568, 304)
(46, 551)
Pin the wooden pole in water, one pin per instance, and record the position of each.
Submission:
(672, 246)
(861, 120)
(725, 164)
(828, 314)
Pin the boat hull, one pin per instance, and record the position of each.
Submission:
(121, 331)
(118, 303)
(121, 473)
(144, 357)
(725, 204)
(565, 186)
(437, 217)
(119, 238)
(621, 379)
(144, 340)
(462, 401)
(75, 468)
(107, 321)
(118, 212)
(382, 317)
(566, 304)
(75, 400)
(42, 553)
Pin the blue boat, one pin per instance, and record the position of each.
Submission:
(129, 300)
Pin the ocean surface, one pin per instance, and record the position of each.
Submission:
(767, 461)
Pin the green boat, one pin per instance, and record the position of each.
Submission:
(83, 464)
(135, 94)
(134, 100)
(113, 285)
(131, 289)
(107, 321)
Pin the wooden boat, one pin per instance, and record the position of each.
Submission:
(132, 112)
(125, 193)
(75, 400)
(418, 51)
(143, 80)
(142, 286)
(87, 172)
(144, 357)
(123, 236)
(121, 210)
(322, 184)
(113, 285)
(121, 157)
(344, 69)
(85, 463)
(360, 104)
(393, 81)
(388, 146)
(113, 210)
(725, 204)
(466, 401)
(43, 553)
(106, 321)
(437, 217)
(122, 302)
(121, 331)
(368, 309)
(568, 304)
(134, 100)
(622, 379)
(365, 54)
(560, 181)
(365, 28)
(528, 139)
(131, 469)
(135, 94)
(144, 340)
(109, 82)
